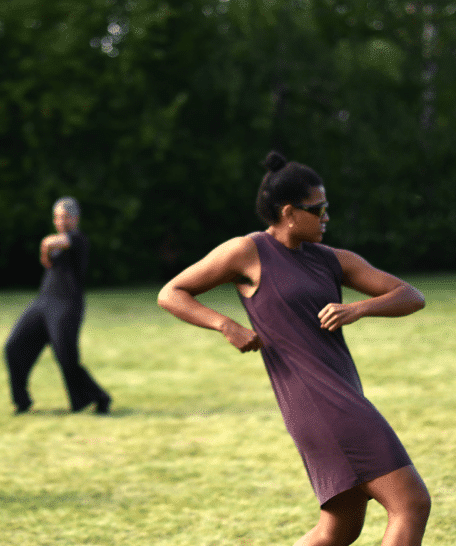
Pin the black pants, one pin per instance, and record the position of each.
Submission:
(52, 321)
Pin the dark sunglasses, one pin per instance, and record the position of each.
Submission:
(317, 210)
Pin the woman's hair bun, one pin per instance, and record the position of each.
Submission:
(274, 161)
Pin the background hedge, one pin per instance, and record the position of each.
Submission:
(156, 115)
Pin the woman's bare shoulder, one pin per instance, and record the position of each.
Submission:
(243, 245)
(342, 254)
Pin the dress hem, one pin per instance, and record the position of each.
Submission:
(362, 481)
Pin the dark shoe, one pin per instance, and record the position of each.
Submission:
(103, 404)
(23, 408)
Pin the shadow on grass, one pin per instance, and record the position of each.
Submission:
(144, 412)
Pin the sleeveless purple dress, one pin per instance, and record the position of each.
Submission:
(342, 438)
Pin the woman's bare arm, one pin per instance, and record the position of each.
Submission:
(390, 296)
(224, 264)
(50, 243)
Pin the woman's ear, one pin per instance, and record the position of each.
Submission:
(287, 212)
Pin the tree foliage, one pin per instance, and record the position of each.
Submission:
(155, 115)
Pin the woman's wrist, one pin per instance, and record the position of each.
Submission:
(226, 325)
(360, 309)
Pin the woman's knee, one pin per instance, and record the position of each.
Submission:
(418, 505)
(342, 536)
(414, 501)
(399, 491)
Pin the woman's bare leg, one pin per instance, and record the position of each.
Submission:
(407, 502)
(341, 521)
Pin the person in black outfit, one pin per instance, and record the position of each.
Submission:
(55, 316)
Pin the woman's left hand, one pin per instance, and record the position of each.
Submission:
(335, 315)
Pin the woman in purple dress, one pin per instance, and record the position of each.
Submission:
(290, 285)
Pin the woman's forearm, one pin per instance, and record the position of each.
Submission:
(45, 248)
(185, 307)
(403, 300)
(50, 243)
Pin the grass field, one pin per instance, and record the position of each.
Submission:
(195, 452)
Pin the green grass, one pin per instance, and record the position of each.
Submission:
(195, 452)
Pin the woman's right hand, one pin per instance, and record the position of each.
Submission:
(242, 338)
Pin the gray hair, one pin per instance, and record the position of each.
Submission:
(69, 204)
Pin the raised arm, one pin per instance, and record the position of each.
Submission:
(50, 243)
(228, 262)
(390, 296)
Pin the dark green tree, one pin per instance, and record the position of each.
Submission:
(156, 114)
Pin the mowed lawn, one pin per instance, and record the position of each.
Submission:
(195, 452)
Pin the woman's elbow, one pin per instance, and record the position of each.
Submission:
(164, 297)
(420, 302)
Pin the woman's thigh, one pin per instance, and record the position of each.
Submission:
(29, 335)
(343, 516)
(398, 491)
